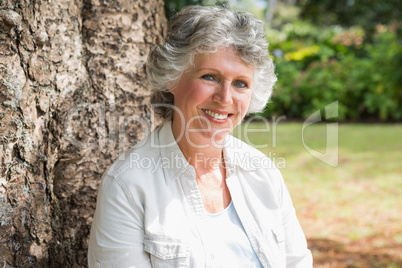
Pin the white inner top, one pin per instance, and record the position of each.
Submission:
(228, 242)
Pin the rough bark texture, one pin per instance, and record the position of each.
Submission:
(73, 94)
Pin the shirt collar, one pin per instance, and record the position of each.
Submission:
(238, 154)
(173, 161)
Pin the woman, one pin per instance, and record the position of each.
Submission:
(191, 195)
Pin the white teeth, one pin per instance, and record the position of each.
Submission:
(216, 115)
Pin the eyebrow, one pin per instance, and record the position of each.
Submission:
(211, 69)
(216, 70)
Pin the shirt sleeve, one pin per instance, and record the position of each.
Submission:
(297, 253)
(117, 232)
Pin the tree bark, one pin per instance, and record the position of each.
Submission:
(73, 95)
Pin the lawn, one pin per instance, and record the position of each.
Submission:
(351, 211)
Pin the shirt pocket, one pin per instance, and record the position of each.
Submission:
(167, 251)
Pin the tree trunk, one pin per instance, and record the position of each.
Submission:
(73, 94)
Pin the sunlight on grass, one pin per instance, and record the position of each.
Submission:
(359, 198)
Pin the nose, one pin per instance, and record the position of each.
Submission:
(224, 95)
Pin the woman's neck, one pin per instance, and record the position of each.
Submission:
(206, 156)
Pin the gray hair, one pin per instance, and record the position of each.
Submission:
(198, 29)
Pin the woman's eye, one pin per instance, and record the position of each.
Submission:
(240, 84)
(208, 77)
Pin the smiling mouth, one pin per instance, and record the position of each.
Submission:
(216, 115)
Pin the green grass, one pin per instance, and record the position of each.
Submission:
(359, 198)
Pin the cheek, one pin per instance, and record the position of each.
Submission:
(244, 102)
(199, 94)
(185, 92)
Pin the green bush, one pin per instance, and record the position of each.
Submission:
(364, 78)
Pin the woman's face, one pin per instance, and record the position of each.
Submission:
(212, 97)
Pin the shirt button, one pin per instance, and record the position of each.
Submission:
(164, 250)
(261, 249)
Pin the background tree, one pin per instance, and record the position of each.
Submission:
(73, 93)
(174, 6)
(365, 13)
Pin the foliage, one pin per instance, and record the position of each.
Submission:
(364, 78)
(174, 6)
(317, 65)
(365, 13)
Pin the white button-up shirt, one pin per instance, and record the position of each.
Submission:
(150, 212)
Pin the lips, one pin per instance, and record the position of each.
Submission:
(216, 115)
